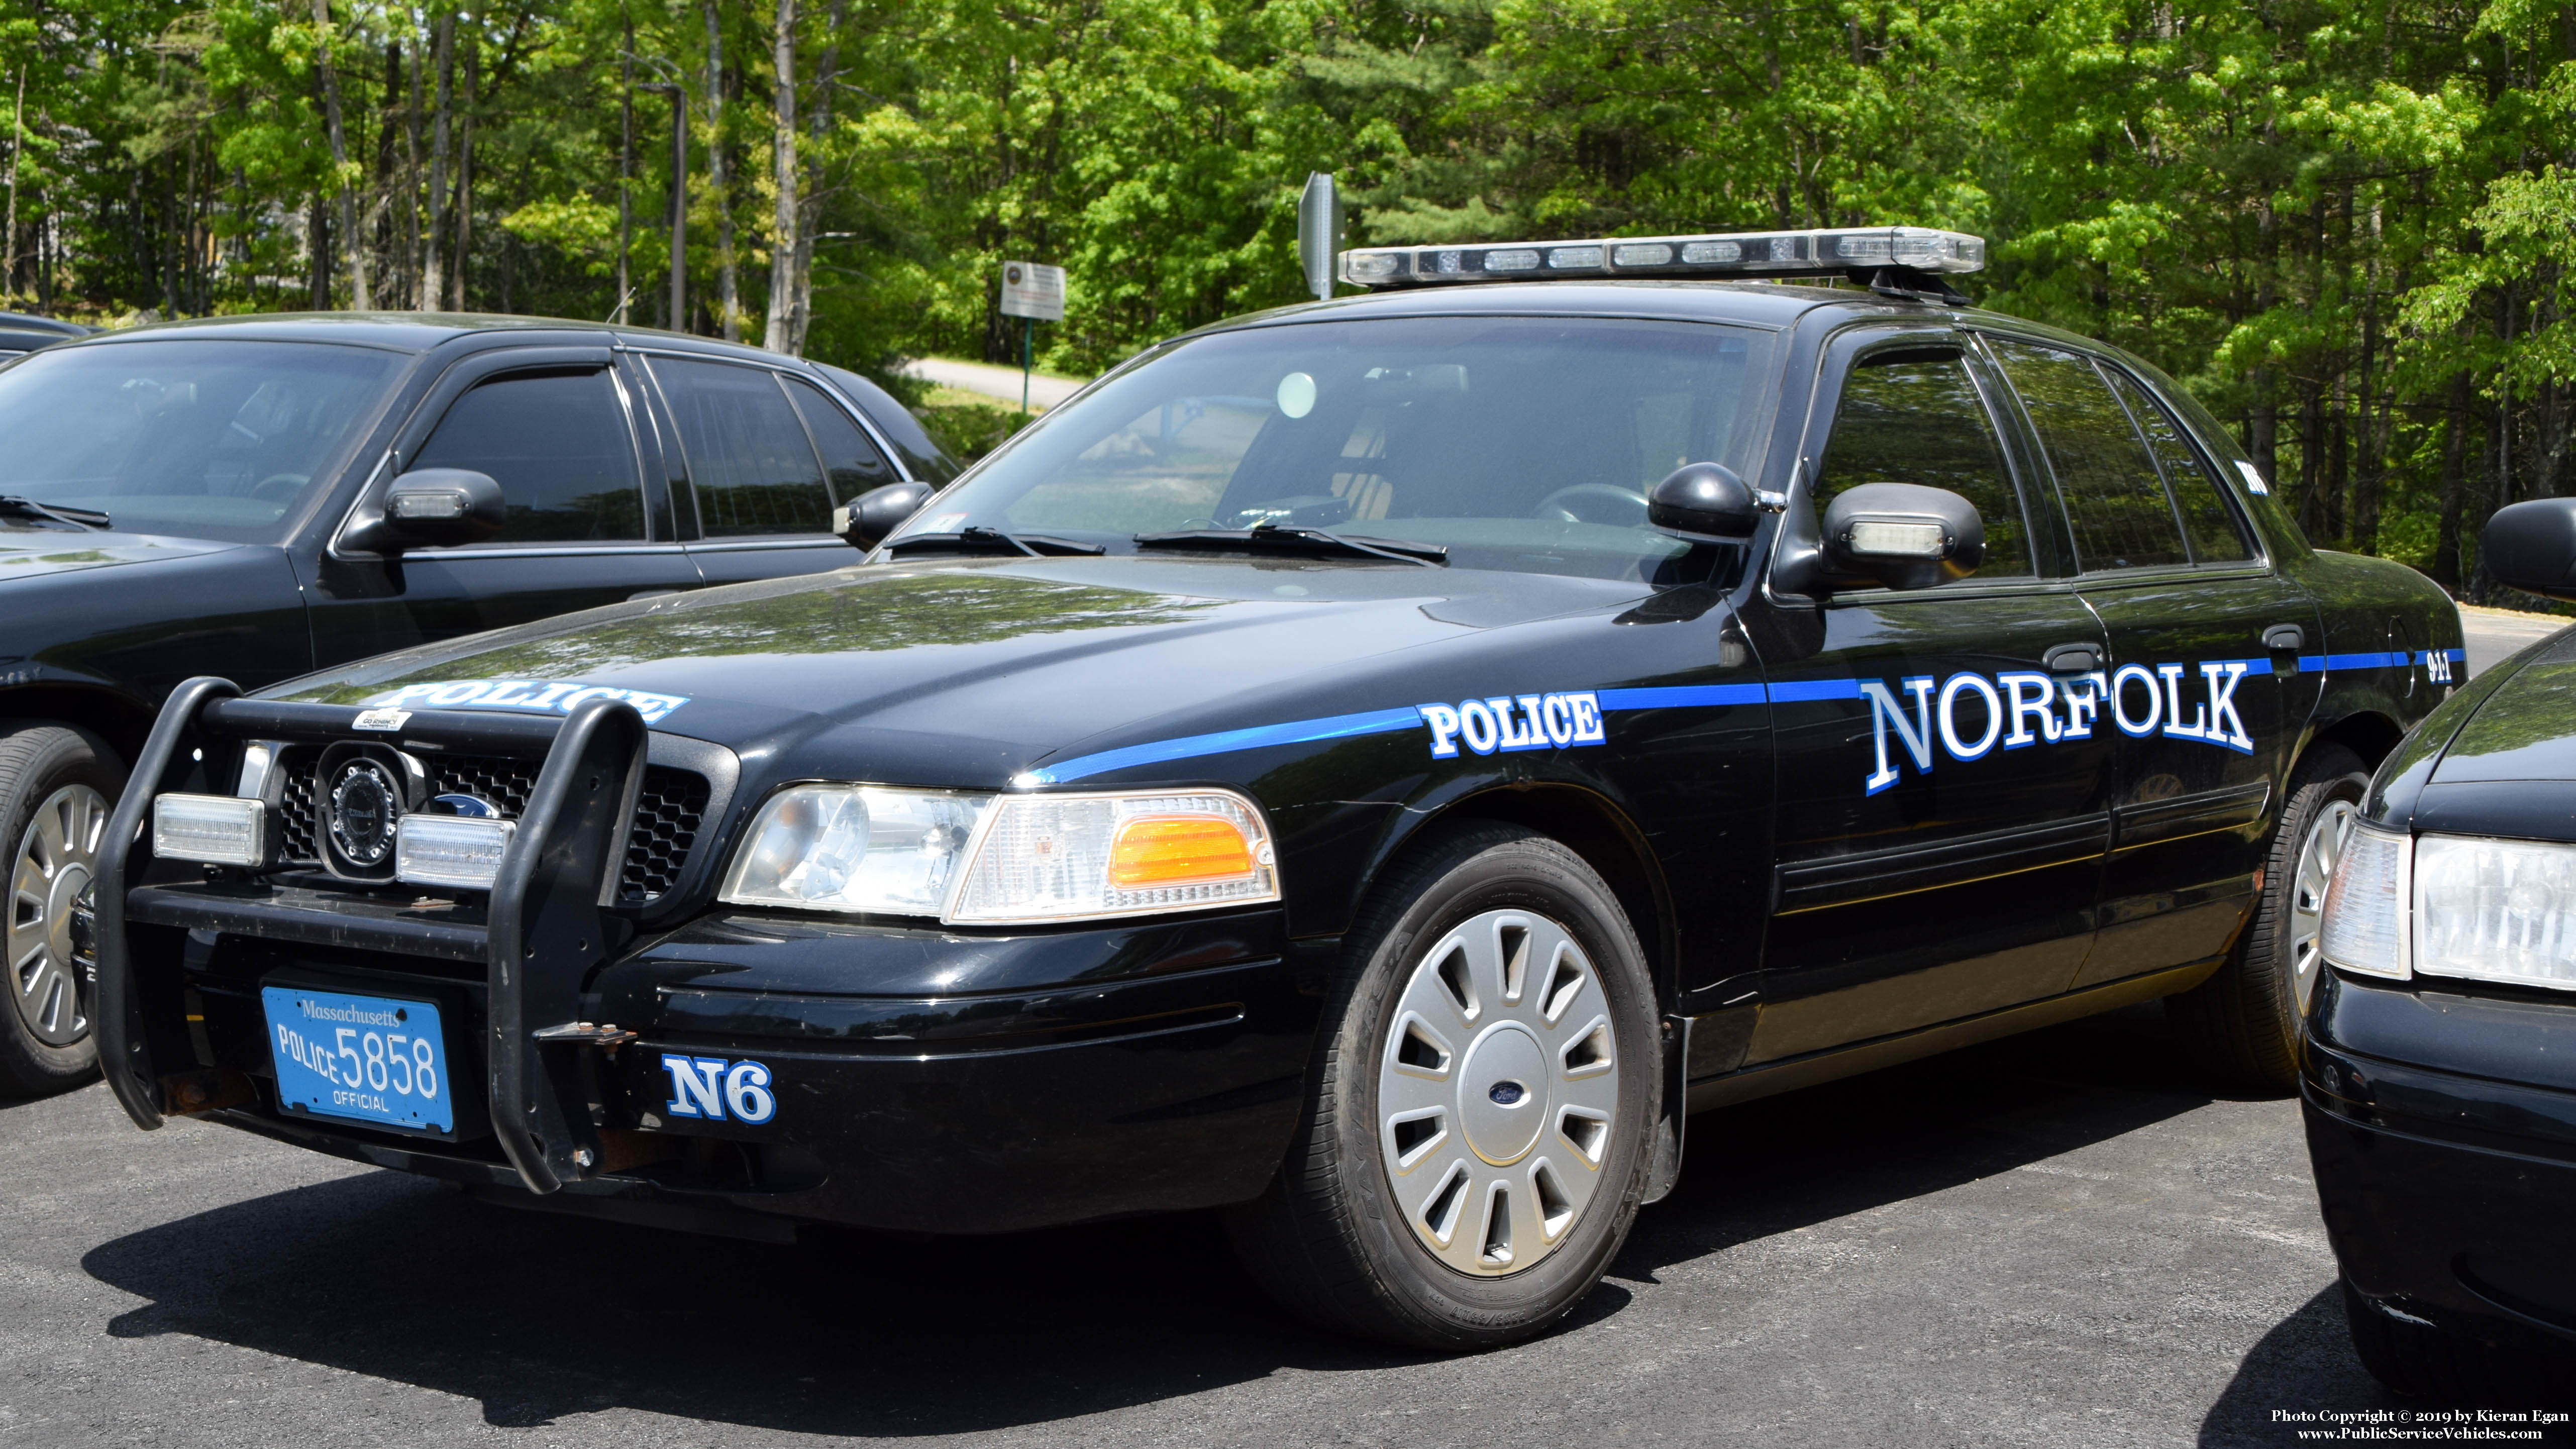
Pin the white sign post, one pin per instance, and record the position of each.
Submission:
(1034, 293)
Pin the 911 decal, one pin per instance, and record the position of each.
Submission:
(1514, 722)
(2020, 708)
(711, 1089)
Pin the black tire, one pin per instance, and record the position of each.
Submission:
(2243, 1023)
(1329, 1239)
(2421, 1359)
(43, 1050)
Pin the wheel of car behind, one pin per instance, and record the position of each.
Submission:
(1475, 1145)
(2244, 1021)
(57, 786)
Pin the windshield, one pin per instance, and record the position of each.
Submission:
(1518, 443)
(200, 439)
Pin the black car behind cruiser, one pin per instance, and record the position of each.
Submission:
(2440, 1082)
(260, 497)
(1372, 767)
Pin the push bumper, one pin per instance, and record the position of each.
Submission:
(2447, 1195)
(764, 1071)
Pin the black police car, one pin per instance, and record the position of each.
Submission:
(2440, 1082)
(1372, 767)
(238, 497)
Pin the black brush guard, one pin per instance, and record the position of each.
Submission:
(553, 921)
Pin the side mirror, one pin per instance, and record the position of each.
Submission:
(433, 508)
(1903, 535)
(2532, 547)
(1704, 500)
(864, 521)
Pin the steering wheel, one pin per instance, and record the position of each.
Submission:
(280, 487)
(1594, 503)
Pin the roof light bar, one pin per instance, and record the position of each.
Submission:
(1834, 251)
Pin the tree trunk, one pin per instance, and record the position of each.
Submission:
(780, 333)
(433, 275)
(625, 171)
(411, 272)
(728, 299)
(318, 275)
(462, 207)
(349, 237)
(826, 75)
(2446, 545)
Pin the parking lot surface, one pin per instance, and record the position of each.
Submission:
(2058, 1239)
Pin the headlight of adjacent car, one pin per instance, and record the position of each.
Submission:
(995, 860)
(2364, 928)
(2497, 910)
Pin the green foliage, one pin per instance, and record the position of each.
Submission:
(2348, 227)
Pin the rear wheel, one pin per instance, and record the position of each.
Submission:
(2244, 1021)
(57, 787)
(1473, 1150)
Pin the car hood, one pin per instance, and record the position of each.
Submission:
(38, 552)
(969, 672)
(2525, 728)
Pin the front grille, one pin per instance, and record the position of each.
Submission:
(667, 815)
(666, 820)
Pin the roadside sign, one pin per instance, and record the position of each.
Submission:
(1033, 289)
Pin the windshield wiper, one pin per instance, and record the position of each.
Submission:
(979, 539)
(29, 508)
(1268, 537)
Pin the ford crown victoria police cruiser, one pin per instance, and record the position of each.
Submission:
(1371, 767)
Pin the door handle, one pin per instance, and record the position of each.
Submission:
(2289, 638)
(2072, 659)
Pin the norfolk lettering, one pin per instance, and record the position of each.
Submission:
(1968, 715)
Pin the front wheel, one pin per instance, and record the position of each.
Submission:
(1475, 1142)
(57, 788)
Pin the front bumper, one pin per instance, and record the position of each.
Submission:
(2448, 1195)
(918, 1079)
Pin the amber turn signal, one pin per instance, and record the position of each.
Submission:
(1178, 850)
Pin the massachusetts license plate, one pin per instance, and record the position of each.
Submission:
(365, 1058)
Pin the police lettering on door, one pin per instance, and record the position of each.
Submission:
(1969, 715)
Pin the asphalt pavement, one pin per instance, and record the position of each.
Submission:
(2057, 1239)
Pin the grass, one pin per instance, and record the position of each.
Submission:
(970, 424)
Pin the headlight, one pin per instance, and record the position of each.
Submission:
(988, 860)
(2497, 910)
(2364, 928)
(856, 848)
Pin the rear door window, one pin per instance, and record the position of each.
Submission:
(558, 444)
(750, 464)
(2115, 497)
(2208, 522)
(850, 461)
(1913, 415)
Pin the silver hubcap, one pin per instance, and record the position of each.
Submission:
(2317, 857)
(56, 859)
(1498, 1093)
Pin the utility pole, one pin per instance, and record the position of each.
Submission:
(679, 200)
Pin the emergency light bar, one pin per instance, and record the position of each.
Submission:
(1835, 251)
